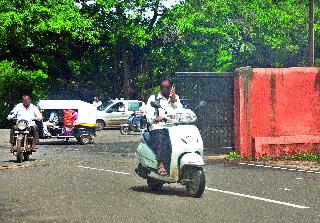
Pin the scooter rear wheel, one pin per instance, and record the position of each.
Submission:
(154, 185)
(198, 182)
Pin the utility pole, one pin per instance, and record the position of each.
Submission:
(311, 34)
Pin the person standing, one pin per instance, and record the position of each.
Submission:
(96, 102)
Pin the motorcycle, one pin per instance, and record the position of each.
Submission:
(129, 126)
(186, 157)
(24, 141)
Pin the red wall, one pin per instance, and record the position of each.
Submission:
(271, 103)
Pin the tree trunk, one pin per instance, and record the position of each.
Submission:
(127, 75)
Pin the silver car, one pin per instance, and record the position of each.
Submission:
(116, 112)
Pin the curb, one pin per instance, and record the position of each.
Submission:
(218, 157)
(281, 167)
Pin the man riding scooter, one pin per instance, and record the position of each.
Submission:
(159, 136)
(28, 112)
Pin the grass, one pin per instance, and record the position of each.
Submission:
(304, 156)
(301, 156)
(234, 156)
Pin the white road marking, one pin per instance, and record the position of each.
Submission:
(217, 190)
(299, 178)
(111, 171)
(281, 168)
(258, 198)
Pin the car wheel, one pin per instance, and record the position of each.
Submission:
(100, 125)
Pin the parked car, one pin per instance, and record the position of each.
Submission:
(116, 112)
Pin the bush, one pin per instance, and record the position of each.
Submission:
(234, 156)
(15, 82)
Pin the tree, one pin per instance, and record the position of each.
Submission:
(15, 82)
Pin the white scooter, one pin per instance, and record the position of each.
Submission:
(186, 157)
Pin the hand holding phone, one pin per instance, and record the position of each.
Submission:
(172, 94)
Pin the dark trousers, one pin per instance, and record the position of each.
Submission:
(33, 131)
(161, 145)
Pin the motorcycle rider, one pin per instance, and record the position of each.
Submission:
(28, 112)
(160, 139)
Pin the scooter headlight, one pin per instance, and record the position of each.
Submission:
(21, 126)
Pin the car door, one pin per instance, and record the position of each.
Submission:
(114, 117)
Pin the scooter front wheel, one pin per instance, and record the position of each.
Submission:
(154, 185)
(197, 183)
(124, 130)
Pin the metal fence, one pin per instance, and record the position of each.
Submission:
(211, 96)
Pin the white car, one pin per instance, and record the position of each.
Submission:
(110, 116)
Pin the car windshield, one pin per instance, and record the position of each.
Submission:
(104, 106)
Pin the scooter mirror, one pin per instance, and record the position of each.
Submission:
(155, 104)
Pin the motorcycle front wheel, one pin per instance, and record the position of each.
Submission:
(19, 150)
(197, 183)
(124, 130)
(25, 156)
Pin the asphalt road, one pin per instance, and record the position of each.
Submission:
(96, 183)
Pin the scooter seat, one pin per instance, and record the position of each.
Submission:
(146, 137)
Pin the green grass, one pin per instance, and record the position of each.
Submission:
(304, 156)
(234, 156)
(301, 156)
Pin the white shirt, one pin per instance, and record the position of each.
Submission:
(168, 108)
(28, 114)
(54, 118)
(121, 109)
(97, 103)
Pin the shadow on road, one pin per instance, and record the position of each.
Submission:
(15, 161)
(179, 192)
(57, 143)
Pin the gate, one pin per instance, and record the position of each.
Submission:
(210, 96)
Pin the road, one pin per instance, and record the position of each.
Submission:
(97, 183)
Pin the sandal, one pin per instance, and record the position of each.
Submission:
(162, 172)
(13, 149)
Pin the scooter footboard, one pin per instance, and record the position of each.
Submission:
(191, 159)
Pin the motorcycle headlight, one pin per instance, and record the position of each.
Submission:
(21, 126)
